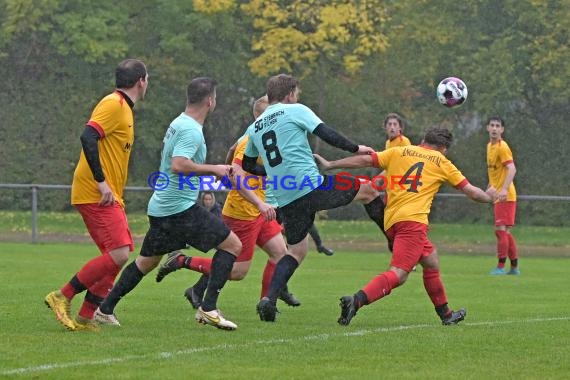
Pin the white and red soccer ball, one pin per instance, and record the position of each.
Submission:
(451, 92)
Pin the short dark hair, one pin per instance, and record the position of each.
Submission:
(440, 137)
(199, 89)
(394, 116)
(279, 86)
(128, 73)
(496, 118)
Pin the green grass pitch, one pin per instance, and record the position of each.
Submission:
(516, 327)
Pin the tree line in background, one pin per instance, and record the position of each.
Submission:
(357, 62)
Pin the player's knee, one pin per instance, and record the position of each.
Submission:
(431, 261)
(238, 275)
(276, 255)
(120, 256)
(146, 264)
(240, 270)
(367, 193)
(232, 245)
(400, 273)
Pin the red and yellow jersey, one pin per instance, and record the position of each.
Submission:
(236, 206)
(113, 119)
(400, 140)
(414, 175)
(499, 155)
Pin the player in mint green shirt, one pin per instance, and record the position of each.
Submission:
(175, 219)
(280, 137)
(289, 158)
(184, 138)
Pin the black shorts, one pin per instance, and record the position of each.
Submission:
(299, 215)
(196, 227)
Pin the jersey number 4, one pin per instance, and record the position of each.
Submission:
(414, 180)
(269, 141)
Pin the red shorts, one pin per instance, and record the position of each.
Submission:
(411, 243)
(251, 233)
(107, 226)
(505, 213)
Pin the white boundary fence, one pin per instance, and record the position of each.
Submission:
(36, 187)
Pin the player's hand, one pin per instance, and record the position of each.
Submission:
(502, 195)
(321, 162)
(267, 211)
(236, 174)
(237, 171)
(221, 171)
(492, 192)
(107, 197)
(363, 149)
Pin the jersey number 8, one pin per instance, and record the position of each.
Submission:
(269, 141)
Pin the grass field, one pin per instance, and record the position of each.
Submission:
(516, 327)
(61, 226)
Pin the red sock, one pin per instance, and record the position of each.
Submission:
(267, 276)
(381, 285)
(91, 273)
(502, 246)
(434, 287)
(69, 291)
(87, 309)
(512, 248)
(200, 264)
(97, 294)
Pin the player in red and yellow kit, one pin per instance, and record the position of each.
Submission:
(251, 219)
(501, 169)
(97, 193)
(393, 125)
(415, 174)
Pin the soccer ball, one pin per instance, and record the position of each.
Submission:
(451, 92)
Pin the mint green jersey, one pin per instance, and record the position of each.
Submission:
(184, 138)
(279, 136)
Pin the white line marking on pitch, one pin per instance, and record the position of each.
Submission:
(219, 347)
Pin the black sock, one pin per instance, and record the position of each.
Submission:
(94, 299)
(77, 285)
(443, 310)
(503, 260)
(130, 277)
(222, 264)
(283, 272)
(514, 263)
(201, 285)
(375, 211)
(315, 236)
(360, 299)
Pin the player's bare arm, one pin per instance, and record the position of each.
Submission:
(476, 194)
(359, 161)
(363, 149)
(238, 174)
(186, 166)
(511, 171)
(230, 155)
